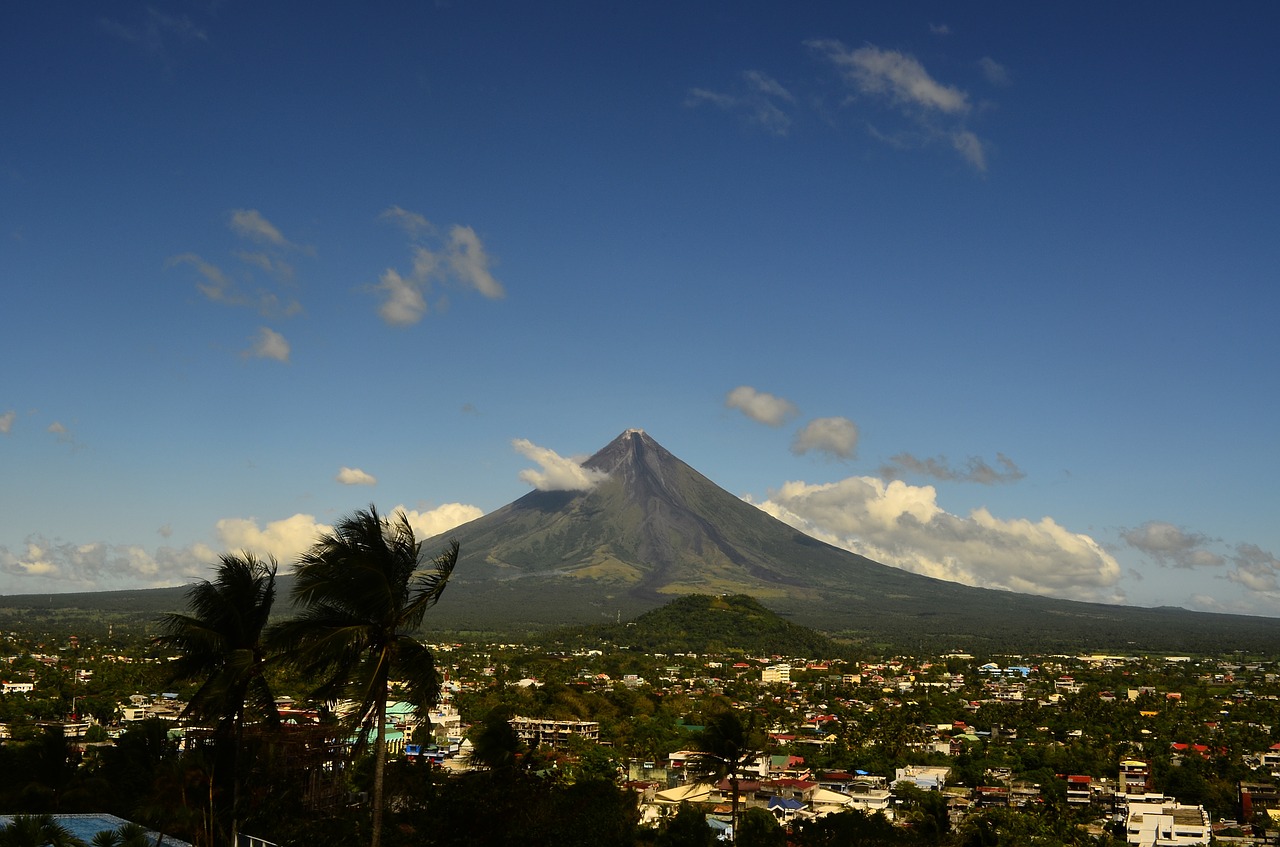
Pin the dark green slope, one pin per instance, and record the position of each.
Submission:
(701, 623)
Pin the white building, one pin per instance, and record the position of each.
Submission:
(776, 673)
(1166, 824)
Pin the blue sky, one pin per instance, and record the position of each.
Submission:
(981, 291)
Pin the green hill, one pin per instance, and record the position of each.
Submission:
(702, 623)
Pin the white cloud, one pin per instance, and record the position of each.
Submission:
(250, 224)
(468, 259)
(837, 436)
(557, 473)
(970, 148)
(404, 303)
(1171, 545)
(903, 525)
(935, 110)
(269, 344)
(284, 539)
(60, 566)
(760, 406)
(438, 520)
(411, 222)
(1256, 569)
(897, 76)
(355, 476)
(6, 422)
(44, 565)
(462, 259)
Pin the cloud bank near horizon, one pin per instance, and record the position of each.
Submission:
(902, 525)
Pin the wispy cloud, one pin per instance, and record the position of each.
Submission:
(64, 435)
(250, 224)
(995, 73)
(6, 422)
(900, 82)
(760, 99)
(975, 469)
(460, 258)
(44, 564)
(268, 344)
(896, 76)
(355, 476)
(1245, 564)
(241, 289)
(1172, 545)
(761, 406)
(1256, 569)
(155, 31)
(556, 472)
(903, 525)
(836, 437)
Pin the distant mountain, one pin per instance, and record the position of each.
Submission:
(654, 528)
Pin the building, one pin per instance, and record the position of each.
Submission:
(1079, 788)
(1257, 797)
(1135, 777)
(776, 673)
(1166, 825)
(539, 732)
(924, 777)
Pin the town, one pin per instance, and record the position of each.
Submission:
(946, 749)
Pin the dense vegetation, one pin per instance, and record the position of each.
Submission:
(699, 623)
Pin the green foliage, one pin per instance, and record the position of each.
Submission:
(686, 828)
(363, 594)
(758, 828)
(701, 623)
(847, 829)
(520, 808)
(37, 831)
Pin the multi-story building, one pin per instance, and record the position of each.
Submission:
(1166, 825)
(1135, 777)
(540, 732)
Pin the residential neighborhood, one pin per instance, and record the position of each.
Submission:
(1143, 750)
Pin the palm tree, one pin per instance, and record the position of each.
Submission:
(726, 749)
(363, 592)
(37, 831)
(221, 643)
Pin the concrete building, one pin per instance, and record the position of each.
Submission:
(539, 732)
(1166, 825)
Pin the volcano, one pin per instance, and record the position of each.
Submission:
(651, 528)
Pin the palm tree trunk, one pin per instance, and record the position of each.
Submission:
(379, 766)
(733, 814)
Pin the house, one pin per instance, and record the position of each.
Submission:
(924, 777)
(1135, 777)
(1079, 789)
